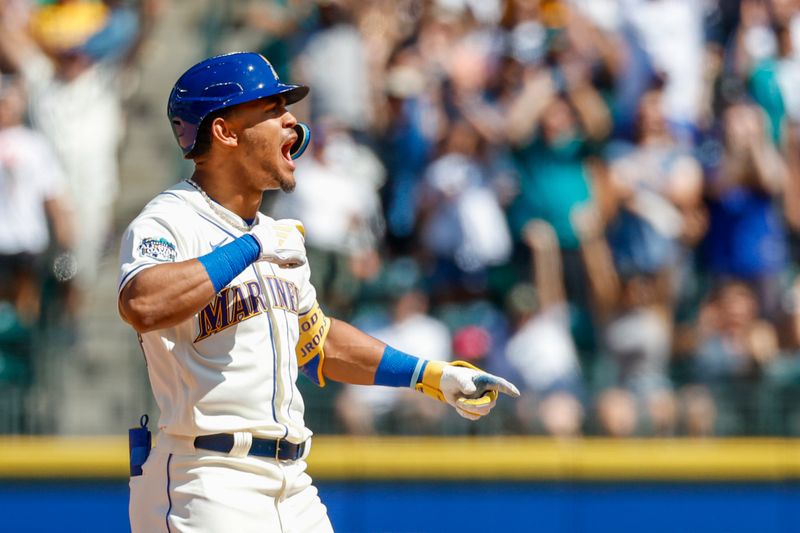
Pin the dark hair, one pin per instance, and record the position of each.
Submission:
(202, 143)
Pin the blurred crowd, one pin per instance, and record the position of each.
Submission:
(62, 118)
(599, 199)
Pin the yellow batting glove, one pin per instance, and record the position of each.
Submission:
(470, 390)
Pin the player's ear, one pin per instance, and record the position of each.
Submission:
(222, 130)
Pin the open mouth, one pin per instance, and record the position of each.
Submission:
(286, 150)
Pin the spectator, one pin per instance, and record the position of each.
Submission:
(552, 127)
(334, 63)
(542, 350)
(32, 190)
(635, 393)
(747, 234)
(658, 188)
(671, 32)
(280, 26)
(407, 139)
(732, 347)
(768, 60)
(462, 226)
(465, 121)
(69, 62)
(762, 52)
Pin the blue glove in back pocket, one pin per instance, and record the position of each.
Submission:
(139, 443)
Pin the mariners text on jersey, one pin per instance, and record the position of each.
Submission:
(237, 303)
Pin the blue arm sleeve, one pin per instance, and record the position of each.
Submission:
(227, 262)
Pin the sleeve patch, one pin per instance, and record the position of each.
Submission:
(159, 249)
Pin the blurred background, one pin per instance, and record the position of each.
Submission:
(599, 199)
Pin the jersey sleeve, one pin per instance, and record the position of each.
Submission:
(150, 240)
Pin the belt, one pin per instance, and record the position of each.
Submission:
(281, 450)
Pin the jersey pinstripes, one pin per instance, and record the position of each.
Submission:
(230, 367)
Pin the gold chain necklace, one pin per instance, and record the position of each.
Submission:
(217, 209)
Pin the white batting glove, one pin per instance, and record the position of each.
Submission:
(282, 242)
(471, 391)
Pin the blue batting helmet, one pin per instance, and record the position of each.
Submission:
(224, 81)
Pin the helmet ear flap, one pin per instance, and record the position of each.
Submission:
(303, 137)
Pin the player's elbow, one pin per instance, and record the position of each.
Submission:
(139, 314)
(139, 309)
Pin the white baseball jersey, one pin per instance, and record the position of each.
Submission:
(229, 367)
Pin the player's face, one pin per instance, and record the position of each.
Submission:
(265, 136)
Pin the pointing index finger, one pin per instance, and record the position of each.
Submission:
(485, 382)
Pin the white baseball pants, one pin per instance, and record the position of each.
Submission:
(183, 490)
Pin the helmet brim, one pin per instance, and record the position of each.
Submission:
(294, 93)
(291, 93)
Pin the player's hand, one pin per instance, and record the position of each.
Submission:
(282, 242)
(471, 391)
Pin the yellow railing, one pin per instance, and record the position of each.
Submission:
(500, 458)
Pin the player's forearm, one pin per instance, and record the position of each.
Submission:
(351, 356)
(165, 295)
(354, 357)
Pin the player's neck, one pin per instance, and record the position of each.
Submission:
(229, 194)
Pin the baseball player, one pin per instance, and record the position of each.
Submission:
(227, 318)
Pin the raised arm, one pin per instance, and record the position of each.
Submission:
(750, 158)
(526, 109)
(15, 43)
(547, 272)
(791, 194)
(603, 280)
(591, 109)
(166, 294)
(771, 171)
